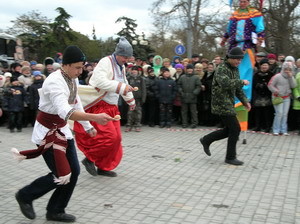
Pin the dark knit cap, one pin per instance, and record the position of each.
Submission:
(150, 69)
(235, 53)
(164, 69)
(190, 66)
(48, 61)
(135, 68)
(13, 78)
(264, 61)
(73, 54)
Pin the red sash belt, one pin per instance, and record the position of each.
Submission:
(50, 121)
(55, 139)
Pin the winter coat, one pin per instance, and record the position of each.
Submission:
(166, 90)
(150, 86)
(34, 94)
(189, 86)
(205, 96)
(138, 81)
(225, 87)
(296, 93)
(14, 98)
(261, 95)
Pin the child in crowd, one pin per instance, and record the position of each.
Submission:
(14, 99)
(135, 116)
(165, 92)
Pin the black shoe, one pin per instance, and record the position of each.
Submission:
(267, 130)
(161, 126)
(168, 126)
(184, 126)
(26, 208)
(193, 126)
(106, 173)
(205, 147)
(235, 162)
(89, 166)
(257, 129)
(60, 217)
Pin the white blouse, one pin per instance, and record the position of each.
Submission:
(54, 96)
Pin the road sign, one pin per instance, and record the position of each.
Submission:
(180, 49)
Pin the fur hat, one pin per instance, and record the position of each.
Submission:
(124, 48)
(73, 54)
(235, 53)
(7, 74)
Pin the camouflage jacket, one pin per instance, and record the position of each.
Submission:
(226, 85)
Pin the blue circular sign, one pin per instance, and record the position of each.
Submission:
(180, 49)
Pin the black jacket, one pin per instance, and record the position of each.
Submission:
(166, 90)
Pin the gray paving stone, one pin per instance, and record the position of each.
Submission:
(165, 177)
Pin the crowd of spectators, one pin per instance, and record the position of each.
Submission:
(170, 92)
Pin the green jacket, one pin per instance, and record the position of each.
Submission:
(296, 93)
(189, 87)
(226, 85)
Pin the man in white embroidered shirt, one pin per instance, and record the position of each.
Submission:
(109, 77)
(59, 102)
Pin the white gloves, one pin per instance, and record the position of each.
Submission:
(62, 180)
(17, 155)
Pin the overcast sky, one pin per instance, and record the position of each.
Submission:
(101, 14)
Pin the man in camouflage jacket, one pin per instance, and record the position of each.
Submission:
(227, 85)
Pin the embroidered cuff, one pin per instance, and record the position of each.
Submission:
(69, 114)
(130, 102)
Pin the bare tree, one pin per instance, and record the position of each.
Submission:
(187, 18)
(282, 26)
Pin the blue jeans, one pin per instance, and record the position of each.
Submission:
(62, 194)
(281, 115)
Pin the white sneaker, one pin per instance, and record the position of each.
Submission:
(276, 134)
(286, 134)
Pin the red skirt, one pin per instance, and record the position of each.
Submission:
(105, 149)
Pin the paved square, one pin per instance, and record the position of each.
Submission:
(165, 177)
